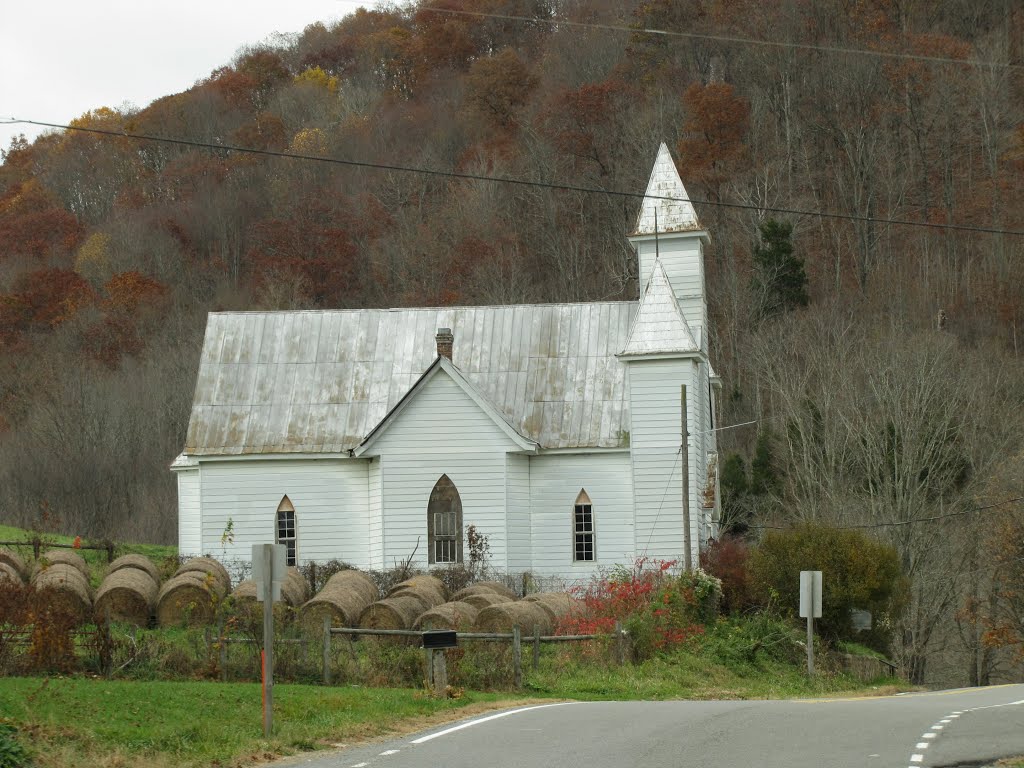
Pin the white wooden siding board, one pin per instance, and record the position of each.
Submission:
(189, 513)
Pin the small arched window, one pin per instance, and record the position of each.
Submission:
(583, 528)
(286, 529)
(444, 523)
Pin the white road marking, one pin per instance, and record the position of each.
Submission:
(917, 758)
(947, 721)
(938, 727)
(922, 745)
(484, 720)
(995, 706)
(928, 735)
(360, 765)
(387, 752)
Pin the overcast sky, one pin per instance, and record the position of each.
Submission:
(61, 58)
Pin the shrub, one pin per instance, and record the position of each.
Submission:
(13, 753)
(659, 610)
(857, 572)
(727, 560)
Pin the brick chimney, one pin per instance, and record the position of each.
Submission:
(445, 341)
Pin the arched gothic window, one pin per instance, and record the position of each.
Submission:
(286, 529)
(444, 523)
(583, 528)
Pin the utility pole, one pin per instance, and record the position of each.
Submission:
(685, 449)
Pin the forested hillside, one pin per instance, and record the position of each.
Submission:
(885, 389)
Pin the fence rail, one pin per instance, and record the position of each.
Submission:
(37, 544)
(515, 637)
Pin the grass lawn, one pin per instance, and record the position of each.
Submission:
(81, 721)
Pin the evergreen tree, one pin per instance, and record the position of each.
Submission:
(779, 276)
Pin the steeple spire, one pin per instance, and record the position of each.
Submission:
(666, 207)
(659, 327)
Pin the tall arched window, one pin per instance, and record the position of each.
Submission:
(286, 528)
(444, 523)
(583, 528)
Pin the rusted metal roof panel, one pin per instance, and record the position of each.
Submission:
(311, 382)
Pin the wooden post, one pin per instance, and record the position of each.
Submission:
(109, 546)
(36, 546)
(268, 639)
(223, 650)
(810, 644)
(327, 650)
(517, 657)
(620, 642)
(428, 656)
(439, 672)
(685, 449)
(536, 646)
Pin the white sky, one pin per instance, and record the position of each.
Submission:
(61, 58)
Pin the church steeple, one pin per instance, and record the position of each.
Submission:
(668, 231)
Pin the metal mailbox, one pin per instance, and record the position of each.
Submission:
(436, 639)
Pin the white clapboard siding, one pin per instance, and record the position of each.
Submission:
(375, 523)
(555, 483)
(329, 497)
(189, 513)
(442, 431)
(655, 440)
(681, 254)
(518, 517)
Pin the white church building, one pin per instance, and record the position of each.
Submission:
(557, 430)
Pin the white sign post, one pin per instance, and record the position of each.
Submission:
(269, 564)
(810, 607)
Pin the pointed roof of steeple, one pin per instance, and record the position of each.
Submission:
(659, 326)
(673, 215)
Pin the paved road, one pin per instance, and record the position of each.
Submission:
(967, 727)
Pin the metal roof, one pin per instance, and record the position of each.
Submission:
(659, 327)
(320, 381)
(666, 206)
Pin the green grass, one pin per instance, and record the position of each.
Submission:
(80, 721)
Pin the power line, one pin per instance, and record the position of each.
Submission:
(733, 39)
(896, 523)
(509, 180)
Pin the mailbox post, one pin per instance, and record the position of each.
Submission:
(434, 643)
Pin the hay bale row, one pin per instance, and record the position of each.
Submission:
(452, 616)
(67, 557)
(557, 605)
(127, 595)
(207, 566)
(504, 616)
(14, 561)
(138, 562)
(9, 574)
(189, 598)
(428, 589)
(483, 600)
(294, 592)
(497, 587)
(343, 599)
(396, 612)
(67, 590)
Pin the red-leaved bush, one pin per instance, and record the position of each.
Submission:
(658, 607)
(726, 559)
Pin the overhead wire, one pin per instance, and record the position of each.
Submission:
(509, 180)
(732, 39)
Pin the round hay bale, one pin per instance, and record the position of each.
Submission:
(454, 615)
(422, 583)
(9, 574)
(13, 559)
(67, 557)
(497, 586)
(425, 593)
(557, 605)
(188, 598)
(294, 588)
(65, 590)
(127, 595)
(138, 562)
(351, 580)
(502, 617)
(472, 590)
(399, 612)
(481, 600)
(246, 590)
(208, 566)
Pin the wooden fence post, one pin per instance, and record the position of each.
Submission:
(620, 641)
(110, 551)
(536, 646)
(517, 657)
(223, 641)
(327, 650)
(37, 545)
